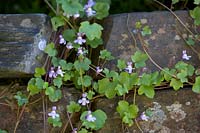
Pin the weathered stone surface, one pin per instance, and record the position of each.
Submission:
(174, 112)
(19, 38)
(165, 44)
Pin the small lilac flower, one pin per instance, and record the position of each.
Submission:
(185, 56)
(98, 70)
(144, 117)
(90, 12)
(81, 51)
(135, 31)
(89, 117)
(89, 4)
(62, 40)
(59, 71)
(42, 44)
(83, 101)
(53, 113)
(69, 45)
(75, 130)
(129, 68)
(77, 15)
(79, 39)
(52, 73)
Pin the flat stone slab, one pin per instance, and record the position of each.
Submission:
(19, 38)
(164, 45)
(172, 112)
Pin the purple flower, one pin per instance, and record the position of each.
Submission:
(129, 68)
(90, 117)
(144, 117)
(185, 56)
(79, 39)
(83, 101)
(69, 45)
(98, 70)
(59, 71)
(77, 15)
(81, 51)
(75, 130)
(62, 40)
(53, 113)
(89, 4)
(90, 12)
(52, 73)
(88, 8)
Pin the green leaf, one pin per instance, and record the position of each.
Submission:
(49, 91)
(66, 77)
(195, 14)
(86, 81)
(92, 31)
(71, 7)
(101, 10)
(54, 95)
(90, 94)
(95, 43)
(107, 87)
(57, 21)
(139, 59)
(56, 122)
(55, 61)
(182, 76)
(190, 41)
(175, 1)
(121, 90)
(138, 25)
(145, 79)
(57, 82)
(196, 85)
(98, 123)
(3, 131)
(83, 130)
(127, 112)
(73, 107)
(147, 90)
(176, 84)
(105, 54)
(65, 66)
(168, 73)
(39, 71)
(146, 31)
(69, 35)
(82, 65)
(21, 98)
(121, 64)
(197, 2)
(50, 50)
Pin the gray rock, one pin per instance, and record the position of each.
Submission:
(19, 38)
(164, 45)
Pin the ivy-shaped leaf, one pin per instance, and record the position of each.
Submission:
(86, 81)
(106, 55)
(195, 14)
(101, 9)
(121, 64)
(57, 21)
(73, 107)
(82, 65)
(196, 85)
(56, 122)
(98, 123)
(139, 59)
(69, 35)
(92, 31)
(95, 43)
(147, 90)
(176, 84)
(127, 112)
(57, 82)
(50, 50)
(39, 71)
(21, 98)
(197, 2)
(146, 31)
(71, 7)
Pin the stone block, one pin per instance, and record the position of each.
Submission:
(164, 45)
(19, 38)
